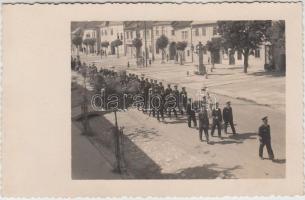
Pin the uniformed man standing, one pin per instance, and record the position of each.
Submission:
(217, 119)
(227, 114)
(203, 123)
(265, 139)
(183, 99)
(191, 114)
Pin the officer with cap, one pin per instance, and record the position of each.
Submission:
(227, 114)
(265, 139)
(217, 119)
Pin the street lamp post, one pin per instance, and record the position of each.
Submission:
(201, 66)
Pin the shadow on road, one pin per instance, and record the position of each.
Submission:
(266, 73)
(279, 161)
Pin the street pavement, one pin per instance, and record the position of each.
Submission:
(172, 150)
(256, 87)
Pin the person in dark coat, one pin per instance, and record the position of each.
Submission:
(265, 139)
(203, 124)
(227, 114)
(191, 115)
(217, 119)
(183, 99)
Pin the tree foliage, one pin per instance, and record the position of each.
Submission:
(214, 45)
(105, 44)
(181, 45)
(243, 36)
(162, 42)
(116, 43)
(137, 43)
(89, 41)
(77, 40)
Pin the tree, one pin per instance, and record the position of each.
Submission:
(137, 43)
(162, 43)
(180, 48)
(116, 43)
(243, 36)
(89, 42)
(77, 41)
(277, 43)
(105, 45)
(213, 46)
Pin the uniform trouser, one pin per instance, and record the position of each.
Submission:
(160, 112)
(152, 110)
(218, 124)
(231, 124)
(190, 118)
(170, 112)
(206, 133)
(269, 149)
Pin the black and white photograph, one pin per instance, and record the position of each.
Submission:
(178, 99)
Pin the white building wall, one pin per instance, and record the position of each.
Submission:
(111, 33)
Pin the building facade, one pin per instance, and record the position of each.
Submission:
(90, 41)
(109, 32)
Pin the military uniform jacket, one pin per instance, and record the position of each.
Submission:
(203, 119)
(216, 114)
(183, 97)
(264, 133)
(227, 114)
(190, 109)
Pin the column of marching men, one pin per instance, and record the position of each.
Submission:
(174, 101)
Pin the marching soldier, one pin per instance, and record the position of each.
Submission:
(183, 99)
(265, 139)
(160, 109)
(217, 119)
(161, 86)
(227, 114)
(191, 115)
(203, 123)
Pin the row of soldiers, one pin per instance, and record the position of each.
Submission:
(149, 89)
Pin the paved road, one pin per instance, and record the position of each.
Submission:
(172, 150)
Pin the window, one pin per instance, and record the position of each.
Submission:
(173, 32)
(105, 32)
(157, 50)
(87, 35)
(121, 36)
(186, 34)
(196, 32)
(111, 32)
(93, 34)
(239, 55)
(127, 35)
(157, 32)
(204, 31)
(131, 34)
(102, 32)
(188, 52)
(162, 30)
(214, 30)
(257, 53)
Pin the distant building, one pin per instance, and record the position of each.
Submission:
(109, 32)
(90, 40)
(136, 29)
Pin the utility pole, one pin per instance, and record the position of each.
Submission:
(145, 43)
(192, 47)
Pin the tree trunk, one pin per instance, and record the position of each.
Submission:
(118, 52)
(137, 55)
(246, 57)
(163, 52)
(181, 58)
